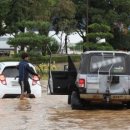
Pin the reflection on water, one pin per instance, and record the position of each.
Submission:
(91, 119)
(24, 105)
(51, 112)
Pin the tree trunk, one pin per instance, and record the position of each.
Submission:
(66, 37)
(22, 48)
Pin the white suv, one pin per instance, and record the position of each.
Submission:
(9, 86)
(103, 76)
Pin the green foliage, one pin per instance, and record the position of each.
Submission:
(99, 30)
(30, 39)
(4, 7)
(2, 58)
(121, 41)
(55, 58)
(111, 17)
(72, 15)
(65, 12)
(54, 46)
(41, 26)
(100, 35)
(25, 10)
(39, 59)
(95, 27)
(66, 9)
(64, 58)
(44, 68)
(95, 46)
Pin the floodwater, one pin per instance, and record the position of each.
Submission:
(51, 112)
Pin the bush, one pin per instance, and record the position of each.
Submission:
(39, 59)
(64, 58)
(95, 46)
(44, 68)
(55, 58)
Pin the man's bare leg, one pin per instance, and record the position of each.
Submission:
(23, 94)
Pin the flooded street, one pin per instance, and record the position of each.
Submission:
(53, 113)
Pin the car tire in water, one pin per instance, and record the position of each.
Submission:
(128, 105)
(75, 101)
(69, 99)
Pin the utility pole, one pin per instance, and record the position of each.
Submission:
(87, 21)
(86, 29)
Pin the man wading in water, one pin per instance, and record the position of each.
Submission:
(24, 71)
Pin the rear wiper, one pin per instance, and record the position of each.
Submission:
(16, 77)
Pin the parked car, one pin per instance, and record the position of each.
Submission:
(103, 77)
(9, 86)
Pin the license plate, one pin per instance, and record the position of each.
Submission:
(93, 86)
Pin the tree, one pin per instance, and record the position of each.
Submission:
(114, 13)
(31, 15)
(67, 16)
(26, 10)
(41, 26)
(98, 31)
(4, 6)
(18, 10)
(63, 19)
(118, 18)
(30, 40)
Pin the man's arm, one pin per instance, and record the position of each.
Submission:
(31, 70)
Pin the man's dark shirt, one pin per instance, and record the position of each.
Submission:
(24, 70)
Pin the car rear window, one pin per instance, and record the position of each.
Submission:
(10, 71)
(116, 64)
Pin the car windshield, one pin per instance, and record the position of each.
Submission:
(114, 64)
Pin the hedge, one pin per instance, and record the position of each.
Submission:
(55, 58)
(44, 59)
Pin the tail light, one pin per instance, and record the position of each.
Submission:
(3, 79)
(35, 79)
(81, 83)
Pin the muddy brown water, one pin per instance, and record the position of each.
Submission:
(52, 112)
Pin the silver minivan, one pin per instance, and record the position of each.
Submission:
(102, 77)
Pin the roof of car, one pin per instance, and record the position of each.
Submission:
(9, 63)
(88, 52)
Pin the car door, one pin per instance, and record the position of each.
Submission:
(62, 82)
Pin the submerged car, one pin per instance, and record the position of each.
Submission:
(103, 77)
(9, 86)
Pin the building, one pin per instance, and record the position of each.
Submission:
(5, 49)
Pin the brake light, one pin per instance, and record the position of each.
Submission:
(81, 83)
(3, 79)
(35, 79)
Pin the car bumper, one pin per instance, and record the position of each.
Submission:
(107, 98)
(11, 92)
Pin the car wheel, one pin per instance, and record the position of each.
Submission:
(69, 99)
(75, 101)
(128, 105)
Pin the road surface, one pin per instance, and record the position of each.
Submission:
(52, 112)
